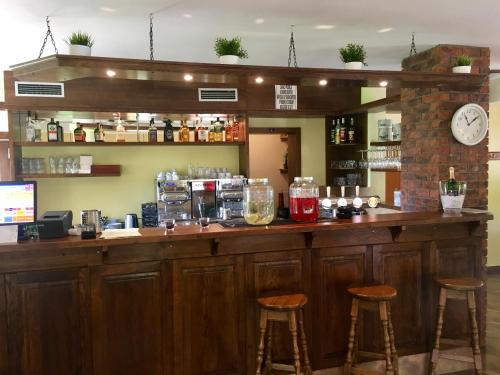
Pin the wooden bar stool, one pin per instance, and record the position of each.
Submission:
(461, 289)
(374, 298)
(282, 309)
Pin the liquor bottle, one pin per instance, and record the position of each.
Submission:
(168, 133)
(184, 132)
(52, 131)
(343, 131)
(351, 132)
(332, 133)
(229, 131)
(30, 129)
(120, 132)
(98, 133)
(236, 130)
(38, 129)
(202, 133)
(451, 184)
(217, 131)
(79, 133)
(192, 132)
(152, 131)
(196, 131)
(60, 132)
(211, 132)
(223, 131)
(337, 132)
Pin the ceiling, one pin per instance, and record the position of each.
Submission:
(184, 30)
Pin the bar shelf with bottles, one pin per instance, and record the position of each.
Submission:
(62, 128)
(345, 136)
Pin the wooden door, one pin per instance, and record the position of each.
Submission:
(128, 319)
(4, 368)
(270, 274)
(333, 271)
(47, 322)
(209, 317)
(401, 266)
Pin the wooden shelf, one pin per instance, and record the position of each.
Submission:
(387, 143)
(121, 144)
(384, 170)
(348, 169)
(65, 175)
(343, 144)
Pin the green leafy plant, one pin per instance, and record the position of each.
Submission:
(80, 38)
(353, 53)
(233, 46)
(464, 60)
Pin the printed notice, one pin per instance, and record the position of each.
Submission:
(286, 97)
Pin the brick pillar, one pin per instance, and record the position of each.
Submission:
(428, 146)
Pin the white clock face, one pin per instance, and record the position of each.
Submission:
(470, 124)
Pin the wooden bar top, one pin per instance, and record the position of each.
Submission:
(215, 230)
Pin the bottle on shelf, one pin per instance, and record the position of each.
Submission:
(451, 184)
(98, 133)
(60, 132)
(343, 131)
(217, 131)
(152, 131)
(120, 132)
(52, 131)
(211, 132)
(236, 130)
(177, 132)
(38, 129)
(351, 132)
(168, 133)
(196, 131)
(332, 133)
(202, 133)
(184, 132)
(229, 131)
(192, 132)
(79, 133)
(30, 128)
(337, 132)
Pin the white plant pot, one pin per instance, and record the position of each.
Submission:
(76, 49)
(462, 69)
(229, 59)
(354, 65)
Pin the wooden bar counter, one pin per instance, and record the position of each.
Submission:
(184, 303)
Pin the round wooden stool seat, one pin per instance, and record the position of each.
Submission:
(462, 284)
(374, 292)
(288, 302)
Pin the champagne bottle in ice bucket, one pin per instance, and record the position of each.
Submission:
(452, 193)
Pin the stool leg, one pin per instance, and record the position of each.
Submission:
(439, 329)
(352, 336)
(260, 352)
(394, 354)
(382, 307)
(269, 361)
(292, 325)
(471, 302)
(307, 365)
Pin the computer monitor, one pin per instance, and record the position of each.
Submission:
(17, 202)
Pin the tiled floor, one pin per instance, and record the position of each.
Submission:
(492, 353)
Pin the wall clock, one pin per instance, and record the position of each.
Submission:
(469, 124)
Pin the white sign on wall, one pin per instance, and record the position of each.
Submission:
(286, 97)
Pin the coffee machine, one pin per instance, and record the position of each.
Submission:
(230, 197)
(203, 198)
(173, 199)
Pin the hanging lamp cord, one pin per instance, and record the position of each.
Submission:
(291, 49)
(151, 46)
(413, 49)
(47, 35)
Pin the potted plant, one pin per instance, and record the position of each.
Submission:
(80, 43)
(463, 64)
(353, 55)
(229, 51)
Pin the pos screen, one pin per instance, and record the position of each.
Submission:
(17, 202)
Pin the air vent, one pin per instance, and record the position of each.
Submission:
(217, 95)
(40, 89)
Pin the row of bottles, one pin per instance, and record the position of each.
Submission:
(340, 133)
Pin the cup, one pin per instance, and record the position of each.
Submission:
(170, 224)
(204, 221)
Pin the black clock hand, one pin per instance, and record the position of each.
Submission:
(474, 119)
(467, 120)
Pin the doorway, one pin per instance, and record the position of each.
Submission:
(275, 154)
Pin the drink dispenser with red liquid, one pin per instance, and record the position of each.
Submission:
(304, 200)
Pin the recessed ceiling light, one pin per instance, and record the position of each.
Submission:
(259, 80)
(187, 15)
(107, 9)
(259, 21)
(323, 82)
(324, 27)
(385, 30)
(110, 73)
(383, 83)
(188, 77)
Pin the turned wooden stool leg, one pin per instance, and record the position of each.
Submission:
(394, 354)
(269, 360)
(292, 325)
(352, 336)
(307, 365)
(476, 352)
(387, 342)
(439, 329)
(260, 352)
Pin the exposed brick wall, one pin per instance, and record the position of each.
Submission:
(427, 143)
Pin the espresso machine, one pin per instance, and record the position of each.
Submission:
(173, 199)
(230, 197)
(203, 198)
